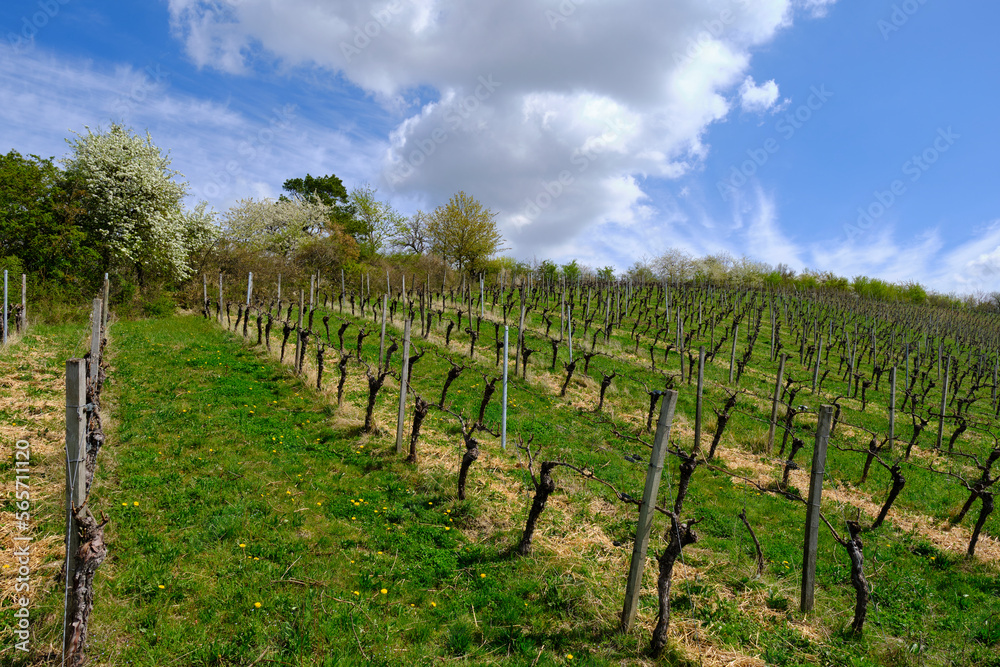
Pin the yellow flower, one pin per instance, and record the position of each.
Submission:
(136, 503)
(569, 656)
(242, 545)
(256, 605)
(483, 575)
(384, 591)
(433, 604)
(160, 586)
(357, 593)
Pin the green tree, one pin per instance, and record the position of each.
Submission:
(548, 270)
(130, 202)
(35, 230)
(330, 191)
(378, 220)
(571, 271)
(464, 232)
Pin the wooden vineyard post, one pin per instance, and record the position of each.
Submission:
(944, 400)
(819, 354)
(95, 340)
(562, 315)
(298, 333)
(810, 547)
(104, 312)
(404, 377)
(698, 397)
(249, 286)
(646, 509)
(520, 337)
(342, 290)
(381, 340)
(220, 297)
(5, 306)
(892, 407)
(24, 299)
(774, 403)
(732, 355)
(76, 468)
(503, 417)
(569, 333)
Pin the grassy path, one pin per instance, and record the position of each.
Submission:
(255, 531)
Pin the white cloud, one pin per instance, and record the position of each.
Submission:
(556, 133)
(223, 153)
(758, 99)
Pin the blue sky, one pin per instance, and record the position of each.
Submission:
(852, 137)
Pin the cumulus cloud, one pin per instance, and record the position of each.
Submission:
(559, 134)
(758, 99)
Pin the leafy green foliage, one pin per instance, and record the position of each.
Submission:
(464, 232)
(36, 234)
(378, 220)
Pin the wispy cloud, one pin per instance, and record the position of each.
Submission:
(223, 153)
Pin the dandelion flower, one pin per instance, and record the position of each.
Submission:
(256, 605)
(161, 586)
(136, 503)
(384, 591)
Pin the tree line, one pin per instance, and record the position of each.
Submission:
(114, 205)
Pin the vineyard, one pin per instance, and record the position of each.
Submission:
(270, 499)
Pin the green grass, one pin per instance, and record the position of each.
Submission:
(229, 483)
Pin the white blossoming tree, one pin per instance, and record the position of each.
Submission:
(130, 201)
(288, 232)
(274, 227)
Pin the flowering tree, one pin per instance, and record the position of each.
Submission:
(130, 201)
(288, 230)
